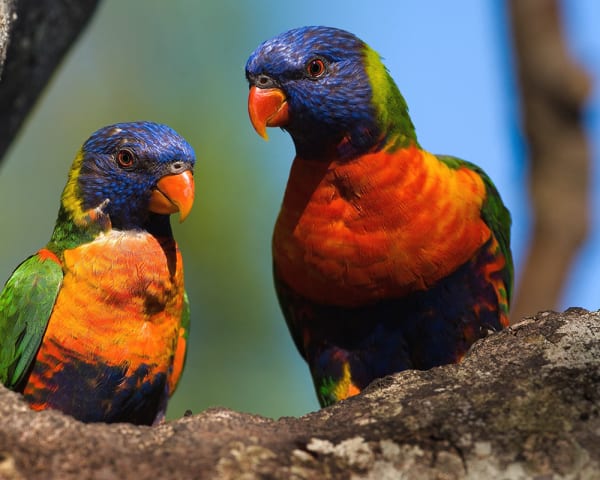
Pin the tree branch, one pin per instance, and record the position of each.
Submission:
(554, 90)
(534, 414)
(35, 34)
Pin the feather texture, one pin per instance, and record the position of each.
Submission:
(386, 257)
(96, 323)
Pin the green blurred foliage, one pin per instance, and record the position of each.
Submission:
(179, 63)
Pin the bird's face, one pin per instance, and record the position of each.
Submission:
(140, 168)
(313, 83)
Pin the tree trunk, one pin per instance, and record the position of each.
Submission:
(554, 90)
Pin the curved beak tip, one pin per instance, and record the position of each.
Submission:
(262, 131)
(184, 211)
(267, 107)
(174, 193)
(259, 127)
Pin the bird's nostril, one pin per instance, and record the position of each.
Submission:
(177, 167)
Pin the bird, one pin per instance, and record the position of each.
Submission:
(386, 257)
(95, 323)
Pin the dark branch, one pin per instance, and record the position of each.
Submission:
(38, 33)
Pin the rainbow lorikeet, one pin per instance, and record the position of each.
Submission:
(95, 323)
(386, 257)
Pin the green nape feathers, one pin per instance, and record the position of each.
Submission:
(391, 110)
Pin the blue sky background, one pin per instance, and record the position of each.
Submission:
(183, 65)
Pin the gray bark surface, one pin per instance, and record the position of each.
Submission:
(524, 403)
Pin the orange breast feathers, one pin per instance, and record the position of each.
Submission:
(380, 226)
(121, 301)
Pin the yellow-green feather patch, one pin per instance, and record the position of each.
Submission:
(379, 79)
(391, 109)
(71, 196)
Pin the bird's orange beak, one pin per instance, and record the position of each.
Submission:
(174, 193)
(267, 107)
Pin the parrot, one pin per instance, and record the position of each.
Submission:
(95, 324)
(386, 257)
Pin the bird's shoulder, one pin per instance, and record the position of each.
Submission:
(493, 212)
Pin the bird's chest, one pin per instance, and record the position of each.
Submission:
(382, 227)
(121, 299)
(109, 347)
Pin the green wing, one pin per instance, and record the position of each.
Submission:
(494, 214)
(25, 307)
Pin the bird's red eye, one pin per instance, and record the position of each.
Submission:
(125, 158)
(315, 68)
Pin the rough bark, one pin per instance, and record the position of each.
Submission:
(524, 403)
(7, 14)
(554, 90)
(34, 37)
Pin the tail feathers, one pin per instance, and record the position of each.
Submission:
(339, 374)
